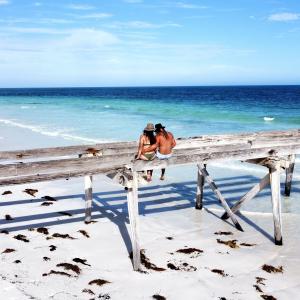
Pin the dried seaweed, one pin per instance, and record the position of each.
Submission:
(68, 267)
(260, 280)
(247, 245)
(64, 213)
(81, 261)
(189, 250)
(169, 238)
(83, 232)
(57, 273)
(45, 258)
(272, 269)
(21, 237)
(4, 231)
(63, 236)
(158, 297)
(88, 291)
(52, 248)
(224, 233)
(8, 218)
(104, 296)
(49, 198)
(17, 261)
(230, 243)
(46, 203)
(258, 289)
(42, 230)
(8, 250)
(268, 297)
(6, 193)
(99, 282)
(220, 272)
(30, 192)
(145, 261)
(181, 267)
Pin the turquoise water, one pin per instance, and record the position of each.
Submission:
(108, 114)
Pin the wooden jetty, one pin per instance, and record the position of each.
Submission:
(274, 150)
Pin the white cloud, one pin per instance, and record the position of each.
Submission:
(133, 1)
(37, 30)
(37, 3)
(88, 38)
(97, 16)
(284, 17)
(142, 25)
(3, 2)
(189, 6)
(81, 7)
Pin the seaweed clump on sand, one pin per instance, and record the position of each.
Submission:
(223, 233)
(268, 297)
(88, 291)
(57, 273)
(260, 280)
(8, 250)
(4, 231)
(158, 297)
(6, 193)
(194, 251)
(21, 237)
(49, 198)
(99, 282)
(258, 289)
(62, 236)
(64, 213)
(8, 218)
(220, 272)
(71, 267)
(83, 232)
(182, 267)
(81, 261)
(247, 244)
(42, 230)
(272, 269)
(145, 261)
(30, 192)
(230, 243)
(52, 248)
(47, 203)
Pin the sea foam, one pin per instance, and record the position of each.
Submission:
(58, 133)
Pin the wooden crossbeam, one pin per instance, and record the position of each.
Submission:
(249, 195)
(222, 200)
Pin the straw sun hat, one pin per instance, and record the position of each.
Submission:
(149, 127)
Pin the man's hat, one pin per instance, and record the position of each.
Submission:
(158, 127)
(149, 127)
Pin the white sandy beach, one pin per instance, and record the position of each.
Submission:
(168, 222)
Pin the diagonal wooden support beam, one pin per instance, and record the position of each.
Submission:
(133, 212)
(215, 189)
(249, 195)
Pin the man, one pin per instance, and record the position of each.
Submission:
(165, 142)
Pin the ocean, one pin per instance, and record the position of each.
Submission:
(87, 115)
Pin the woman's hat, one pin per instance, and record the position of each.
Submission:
(158, 127)
(149, 127)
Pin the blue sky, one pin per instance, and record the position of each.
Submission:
(149, 42)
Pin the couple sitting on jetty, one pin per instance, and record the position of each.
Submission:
(159, 145)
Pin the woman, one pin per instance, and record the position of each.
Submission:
(147, 139)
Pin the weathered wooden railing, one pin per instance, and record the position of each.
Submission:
(274, 149)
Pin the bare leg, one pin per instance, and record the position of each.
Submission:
(162, 176)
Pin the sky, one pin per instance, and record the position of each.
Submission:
(61, 43)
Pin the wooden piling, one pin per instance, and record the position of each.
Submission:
(88, 182)
(133, 212)
(199, 193)
(276, 201)
(289, 175)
